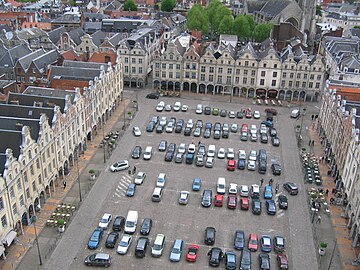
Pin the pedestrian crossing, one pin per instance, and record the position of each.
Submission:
(120, 190)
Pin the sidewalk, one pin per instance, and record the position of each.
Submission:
(24, 242)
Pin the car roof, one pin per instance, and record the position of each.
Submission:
(106, 215)
(102, 256)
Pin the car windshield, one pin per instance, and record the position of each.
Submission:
(95, 236)
(280, 241)
(130, 224)
(231, 258)
(192, 251)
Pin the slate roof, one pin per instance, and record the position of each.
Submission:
(71, 73)
(273, 7)
(30, 33)
(12, 140)
(115, 39)
(37, 100)
(76, 34)
(16, 124)
(355, 32)
(46, 59)
(351, 62)
(340, 47)
(98, 37)
(114, 5)
(91, 27)
(54, 35)
(12, 110)
(50, 92)
(13, 54)
(95, 16)
(254, 5)
(26, 61)
(79, 64)
(72, 18)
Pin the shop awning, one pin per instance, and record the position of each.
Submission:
(9, 238)
(2, 250)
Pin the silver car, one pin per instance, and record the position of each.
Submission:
(200, 160)
(176, 250)
(209, 162)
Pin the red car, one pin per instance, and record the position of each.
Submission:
(253, 242)
(282, 261)
(232, 201)
(219, 200)
(244, 128)
(192, 253)
(248, 113)
(244, 203)
(231, 165)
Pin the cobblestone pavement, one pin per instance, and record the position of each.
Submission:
(23, 254)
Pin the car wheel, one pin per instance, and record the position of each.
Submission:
(106, 266)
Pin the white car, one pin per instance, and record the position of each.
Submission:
(253, 137)
(184, 108)
(234, 128)
(160, 107)
(199, 109)
(161, 180)
(163, 121)
(253, 129)
(119, 166)
(225, 127)
(253, 155)
(147, 153)
(232, 114)
(256, 115)
(136, 131)
(221, 153)
(169, 127)
(182, 148)
(242, 154)
(190, 123)
(244, 191)
(124, 244)
(105, 221)
(251, 165)
(139, 178)
(168, 108)
(191, 148)
(184, 197)
(233, 188)
(177, 106)
(209, 162)
(263, 129)
(230, 153)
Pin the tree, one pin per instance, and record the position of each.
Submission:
(211, 11)
(226, 25)
(197, 19)
(130, 5)
(167, 5)
(318, 10)
(262, 31)
(251, 22)
(241, 28)
(219, 16)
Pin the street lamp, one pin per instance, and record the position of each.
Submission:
(37, 239)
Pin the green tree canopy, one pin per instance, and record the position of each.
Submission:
(197, 19)
(318, 10)
(167, 5)
(241, 28)
(211, 11)
(226, 25)
(130, 5)
(219, 16)
(262, 31)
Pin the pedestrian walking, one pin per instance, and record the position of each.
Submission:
(277, 188)
(312, 143)
(326, 192)
(134, 170)
(309, 142)
(312, 117)
(129, 171)
(261, 182)
(271, 181)
(318, 219)
(64, 184)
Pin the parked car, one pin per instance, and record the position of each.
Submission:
(282, 261)
(150, 126)
(196, 185)
(230, 260)
(210, 234)
(162, 145)
(270, 207)
(264, 261)
(232, 201)
(256, 115)
(219, 200)
(207, 110)
(221, 153)
(253, 242)
(153, 95)
(256, 206)
(230, 154)
(268, 192)
(241, 164)
(139, 178)
(206, 198)
(130, 191)
(231, 165)
(266, 243)
(141, 246)
(276, 169)
(200, 160)
(234, 128)
(264, 138)
(209, 162)
(244, 203)
(184, 197)
(215, 254)
(223, 113)
(291, 188)
(275, 141)
(251, 165)
(283, 202)
(239, 240)
(239, 115)
(95, 238)
(111, 239)
(169, 156)
(136, 152)
(245, 260)
(168, 107)
(233, 188)
(192, 253)
(105, 221)
(124, 244)
(158, 246)
(279, 244)
(244, 191)
(118, 224)
(176, 250)
(161, 180)
(159, 129)
(179, 158)
(136, 131)
(119, 166)
(146, 226)
(98, 259)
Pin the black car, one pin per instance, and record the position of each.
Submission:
(215, 256)
(279, 244)
(264, 261)
(283, 202)
(275, 141)
(119, 223)
(239, 115)
(159, 129)
(187, 131)
(189, 158)
(256, 207)
(270, 207)
(291, 188)
(207, 110)
(111, 239)
(172, 147)
(239, 240)
(150, 127)
(223, 113)
(230, 260)
(206, 198)
(146, 226)
(137, 152)
(241, 164)
(276, 169)
(264, 138)
(153, 95)
(245, 260)
(169, 155)
(178, 128)
(225, 134)
(272, 132)
(162, 145)
(141, 245)
(98, 259)
(210, 233)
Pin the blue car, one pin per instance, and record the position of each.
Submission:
(95, 238)
(196, 184)
(267, 123)
(131, 190)
(268, 192)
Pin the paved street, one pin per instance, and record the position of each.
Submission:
(188, 222)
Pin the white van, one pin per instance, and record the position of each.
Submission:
(295, 113)
(157, 194)
(158, 246)
(221, 185)
(131, 222)
(211, 151)
(148, 153)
